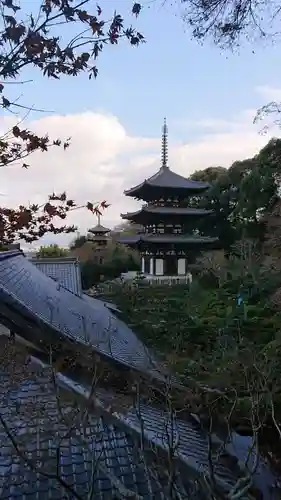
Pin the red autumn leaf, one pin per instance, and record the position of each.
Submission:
(70, 203)
(50, 209)
(136, 9)
(90, 206)
(104, 204)
(16, 131)
(5, 102)
(97, 211)
(40, 46)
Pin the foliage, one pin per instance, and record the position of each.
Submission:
(32, 40)
(227, 22)
(208, 336)
(125, 229)
(241, 196)
(29, 223)
(52, 251)
(78, 242)
(117, 261)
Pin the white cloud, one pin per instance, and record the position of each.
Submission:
(104, 159)
(269, 93)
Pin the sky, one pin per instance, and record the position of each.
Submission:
(208, 96)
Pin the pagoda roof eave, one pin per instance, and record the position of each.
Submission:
(99, 237)
(166, 238)
(167, 211)
(167, 179)
(99, 229)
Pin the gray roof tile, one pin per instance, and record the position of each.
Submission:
(28, 404)
(52, 433)
(98, 449)
(166, 238)
(99, 229)
(166, 210)
(65, 271)
(166, 178)
(29, 291)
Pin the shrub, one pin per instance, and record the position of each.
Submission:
(93, 273)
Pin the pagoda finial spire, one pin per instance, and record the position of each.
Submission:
(98, 217)
(164, 154)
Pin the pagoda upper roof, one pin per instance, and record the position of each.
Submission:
(167, 179)
(166, 210)
(166, 238)
(99, 229)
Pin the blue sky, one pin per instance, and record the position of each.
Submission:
(209, 98)
(170, 75)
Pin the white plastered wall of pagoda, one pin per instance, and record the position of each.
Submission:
(152, 267)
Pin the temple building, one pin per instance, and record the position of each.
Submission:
(169, 234)
(99, 235)
(95, 248)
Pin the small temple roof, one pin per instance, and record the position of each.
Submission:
(99, 229)
(166, 238)
(151, 209)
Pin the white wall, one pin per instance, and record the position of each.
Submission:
(181, 267)
(159, 268)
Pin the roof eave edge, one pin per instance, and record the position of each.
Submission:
(7, 254)
(131, 191)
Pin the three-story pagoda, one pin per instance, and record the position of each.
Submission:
(169, 233)
(99, 234)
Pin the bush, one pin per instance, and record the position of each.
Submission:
(176, 317)
(93, 273)
(52, 251)
(205, 335)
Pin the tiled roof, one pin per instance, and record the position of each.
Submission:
(59, 441)
(64, 270)
(89, 454)
(110, 447)
(94, 302)
(154, 210)
(67, 273)
(28, 292)
(166, 238)
(166, 178)
(99, 229)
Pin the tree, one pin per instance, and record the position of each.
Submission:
(126, 228)
(31, 39)
(52, 251)
(227, 21)
(116, 259)
(78, 242)
(241, 196)
(272, 237)
(221, 199)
